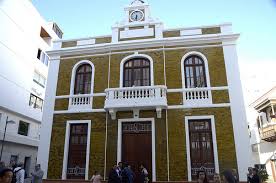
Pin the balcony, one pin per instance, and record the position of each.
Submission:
(136, 98)
(196, 96)
(80, 102)
(268, 133)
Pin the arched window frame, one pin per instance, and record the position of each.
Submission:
(136, 55)
(205, 65)
(73, 76)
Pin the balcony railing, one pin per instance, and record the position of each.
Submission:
(268, 133)
(195, 96)
(80, 102)
(146, 97)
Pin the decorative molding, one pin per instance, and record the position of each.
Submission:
(214, 138)
(135, 44)
(147, 50)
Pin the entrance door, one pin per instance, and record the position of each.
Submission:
(137, 147)
(201, 147)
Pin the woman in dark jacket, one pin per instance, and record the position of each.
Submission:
(202, 177)
(228, 177)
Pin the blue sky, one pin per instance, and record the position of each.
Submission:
(255, 20)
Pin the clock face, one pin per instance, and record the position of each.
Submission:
(136, 15)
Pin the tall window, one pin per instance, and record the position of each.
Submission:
(83, 79)
(77, 151)
(201, 147)
(137, 72)
(195, 75)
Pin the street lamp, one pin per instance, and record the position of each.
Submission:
(2, 144)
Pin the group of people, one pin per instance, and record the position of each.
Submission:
(122, 173)
(16, 173)
(227, 177)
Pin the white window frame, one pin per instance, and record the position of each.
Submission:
(119, 144)
(73, 76)
(215, 149)
(207, 75)
(136, 55)
(66, 147)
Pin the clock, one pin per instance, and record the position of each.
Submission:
(136, 15)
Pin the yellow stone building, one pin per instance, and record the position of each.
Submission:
(168, 99)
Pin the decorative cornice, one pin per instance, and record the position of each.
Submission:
(135, 44)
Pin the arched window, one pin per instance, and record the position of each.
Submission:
(137, 72)
(195, 75)
(83, 79)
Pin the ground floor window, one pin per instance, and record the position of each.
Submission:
(76, 166)
(201, 147)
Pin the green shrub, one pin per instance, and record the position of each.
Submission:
(263, 175)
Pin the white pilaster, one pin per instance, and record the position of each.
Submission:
(47, 118)
(239, 120)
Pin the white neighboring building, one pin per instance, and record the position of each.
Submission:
(24, 38)
(263, 132)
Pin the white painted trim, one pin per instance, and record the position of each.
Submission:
(169, 107)
(66, 147)
(135, 44)
(145, 50)
(153, 142)
(47, 118)
(214, 138)
(79, 111)
(239, 121)
(136, 55)
(199, 106)
(76, 66)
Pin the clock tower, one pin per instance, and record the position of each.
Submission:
(137, 24)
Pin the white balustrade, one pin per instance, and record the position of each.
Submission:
(80, 102)
(194, 96)
(131, 97)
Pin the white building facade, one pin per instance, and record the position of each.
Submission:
(24, 38)
(263, 133)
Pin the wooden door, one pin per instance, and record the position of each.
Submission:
(137, 147)
(77, 151)
(201, 147)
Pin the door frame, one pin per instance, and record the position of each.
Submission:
(119, 144)
(215, 149)
(66, 146)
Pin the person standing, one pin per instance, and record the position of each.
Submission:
(228, 177)
(37, 175)
(6, 175)
(144, 174)
(216, 178)
(128, 175)
(255, 178)
(19, 173)
(250, 174)
(113, 176)
(202, 177)
(236, 175)
(96, 178)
